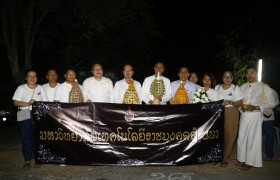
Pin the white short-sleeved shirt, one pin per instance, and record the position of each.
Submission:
(120, 89)
(233, 93)
(62, 91)
(50, 91)
(213, 95)
(24, 94)
(98, 91)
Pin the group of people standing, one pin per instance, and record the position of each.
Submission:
(252, 100)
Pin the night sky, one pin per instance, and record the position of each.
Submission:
(190, 34)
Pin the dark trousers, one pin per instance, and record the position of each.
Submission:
(267, 130)
(26, 133)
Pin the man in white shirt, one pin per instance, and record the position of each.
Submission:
(62, 92)
(257, 99)
(267, 126)
(189, 87)
(156, 89)
(122, 86)
(51, 85)
(97, 88)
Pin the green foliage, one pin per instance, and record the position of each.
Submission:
(238, 57)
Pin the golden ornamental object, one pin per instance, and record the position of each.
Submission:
(75, 94)
(157, 87)
(130, 95)
(181, 95)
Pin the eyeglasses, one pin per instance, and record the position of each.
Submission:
(227, 77)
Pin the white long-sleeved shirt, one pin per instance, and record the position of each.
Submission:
(98, 91)
(253, 92)
(62, 91)
(120, 89)
(147, 96)
(50, 91)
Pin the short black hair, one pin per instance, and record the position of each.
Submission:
(52, 69)
(252, 67)
(96, 63)
(30, 70)
(195, 74)
(70, 69)
(161, 63)
(183, 67)
(225, 71)
(128, 65)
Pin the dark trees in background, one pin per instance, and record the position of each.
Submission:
(111, 32)
(47, 33)
(237, 57)
(19, 23)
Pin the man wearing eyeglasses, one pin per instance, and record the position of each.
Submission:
(97, 88)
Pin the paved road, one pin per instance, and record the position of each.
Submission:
(11, 168)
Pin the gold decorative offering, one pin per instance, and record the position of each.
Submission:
(75, 94)
(157, 88)
(181, 95)
(130, 95)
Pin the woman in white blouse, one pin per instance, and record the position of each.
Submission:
(208, 83)
(25, 95)
(232, 96)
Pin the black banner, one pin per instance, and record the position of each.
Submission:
(107, 133)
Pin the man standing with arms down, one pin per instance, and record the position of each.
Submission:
(156, 88)
(127, 90)
(182, 89)
(51, 85)
(257, 99)
(97, 88)
(70, 90)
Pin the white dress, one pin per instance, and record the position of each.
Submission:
(147, 96)
(97, 91)
(120, 89)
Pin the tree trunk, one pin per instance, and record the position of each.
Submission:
(13, 59)
(27, 21)
(9, 29)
